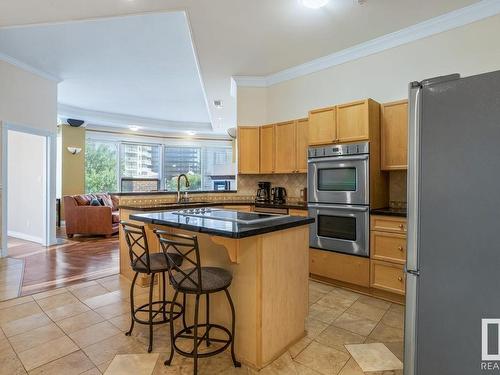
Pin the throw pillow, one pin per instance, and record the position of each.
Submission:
(95, 202)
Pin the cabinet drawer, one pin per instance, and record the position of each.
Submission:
(388, 246)
(387, 276)
(342, 267)
(388, 224)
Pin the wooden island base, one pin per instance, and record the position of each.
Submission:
(269, 288)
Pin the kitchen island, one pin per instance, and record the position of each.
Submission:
(268, 257)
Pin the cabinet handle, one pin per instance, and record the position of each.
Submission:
(400, 278)
(400, 248)
(401, 226)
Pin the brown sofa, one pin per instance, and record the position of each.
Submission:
(82, 218)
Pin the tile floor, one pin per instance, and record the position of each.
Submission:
(80, 330)
(11, 277)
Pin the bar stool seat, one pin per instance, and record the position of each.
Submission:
(213, 280)
(158, 262)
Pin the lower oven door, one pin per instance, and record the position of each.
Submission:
(342, 228)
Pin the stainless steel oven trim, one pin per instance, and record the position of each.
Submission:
(360, 196)
(340, 245)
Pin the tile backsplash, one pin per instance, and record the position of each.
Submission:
(397, 189)
(293, 183)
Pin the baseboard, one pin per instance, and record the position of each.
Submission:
(24, 236)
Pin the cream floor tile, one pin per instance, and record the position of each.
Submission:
(367, 311)
(383, 333)
(49, 293)
(397, 308)
(11, 365)
(85, 284)
(374, 357)
(338, 298)
(58, 300)
(375, 302)
(352, 368)
(314, 327)
(397, 348)
(66, 311)
(89, 292)
(122, 284)
(16, 312)
(284, 365)
(9, 293)
(315, 296)
(35, 337)
(337, 338)
(323, 359)
(103, 300)
(15, 302)
(48, 352)
(122, 322)
(355, 324)
(326, 314)
(394, 319)
(105, 351)
(133, 364)
(72, 364)
(16, 327)
(80, 321)
(300, 345)
(95, 333)
(114, 309)
(316, 285)
(92, 371)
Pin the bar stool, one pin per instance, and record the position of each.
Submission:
(144, 262)
(196, 280)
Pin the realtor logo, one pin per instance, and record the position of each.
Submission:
(490, 336)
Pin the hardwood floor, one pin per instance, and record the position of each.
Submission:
(70, 261)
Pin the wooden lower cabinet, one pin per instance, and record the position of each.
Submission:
(293, 212)
(346, 268)
(386, 246)
(387, 276)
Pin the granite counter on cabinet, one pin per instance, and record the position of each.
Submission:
(388, 211)
(236, 203)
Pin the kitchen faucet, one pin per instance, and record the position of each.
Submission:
(185, 198)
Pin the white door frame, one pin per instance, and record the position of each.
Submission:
(50, 182)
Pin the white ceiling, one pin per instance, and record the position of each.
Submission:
(241, 37)
(142, 66)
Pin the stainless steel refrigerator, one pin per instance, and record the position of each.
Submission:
(453, 263)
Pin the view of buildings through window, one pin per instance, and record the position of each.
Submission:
(116, 165)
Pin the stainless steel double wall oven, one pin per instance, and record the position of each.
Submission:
(339, 197)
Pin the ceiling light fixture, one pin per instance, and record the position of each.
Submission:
(190, 132)
(313, 4)
(134, 128)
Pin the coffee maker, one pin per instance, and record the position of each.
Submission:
(278, 195)
(263, 192)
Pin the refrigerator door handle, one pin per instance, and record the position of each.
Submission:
(411, 272)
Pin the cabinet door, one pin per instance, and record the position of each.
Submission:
(394, 132)
(267, 149)
(302, 144)
(353, 121)
(248, 149)
(285, 147)
(322, 128)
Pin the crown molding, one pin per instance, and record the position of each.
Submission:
(21, 65)
(101, 118)
(460, 17)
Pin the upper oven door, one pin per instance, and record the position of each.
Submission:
(339, 179)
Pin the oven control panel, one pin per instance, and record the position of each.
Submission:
(339, 150)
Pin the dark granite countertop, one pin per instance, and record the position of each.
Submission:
(164, 192)
(221, 228)
(175, 206)
(388, 211)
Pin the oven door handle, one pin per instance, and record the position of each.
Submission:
(339, 207)
(339, 158)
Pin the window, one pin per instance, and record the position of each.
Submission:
(116, 165)
(101, 162)
(179, 160)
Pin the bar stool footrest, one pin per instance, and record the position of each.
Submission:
(184, 334)
(163, 306)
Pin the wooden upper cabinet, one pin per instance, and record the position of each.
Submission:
(302, 138)
(285, 147)
(267, 149)
(354, 120)
(322, 126)
(248, 150)
(394, 133)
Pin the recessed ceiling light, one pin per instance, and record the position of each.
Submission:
(218, 103)
(134, 128)
(190, 132)
(314, 4)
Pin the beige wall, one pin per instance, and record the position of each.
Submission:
(468, 50)
(72, 166)
(26, 181)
